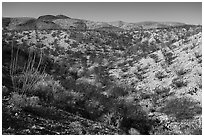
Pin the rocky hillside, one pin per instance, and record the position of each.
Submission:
(63, 81)
(43, 22)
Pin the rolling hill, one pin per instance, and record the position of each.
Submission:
(65, 22)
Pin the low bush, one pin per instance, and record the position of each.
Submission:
(46, 89)
(78, 128)
(181, 71)
(155, 57)
(182, 108)
(192, 127)
(178, 83)
(5, 91)
(118, 90)
(168, 56)
(132, 115)
(160, 75)
(198, 54)
(19, 101)
(111, 118)
(161, 90)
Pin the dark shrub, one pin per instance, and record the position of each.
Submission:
(182, 108)
(133, 116)
(198, 54)
(46, 89)
(161, 90)
(5, 91)
(168, 56)
(160, 75)
(118, 91)
(155, 57)
(181, 71)
(19, 101)
(178, 83)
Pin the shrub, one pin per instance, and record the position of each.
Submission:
(181, 71)
(112, 118)
(161, 89)
(54, 34)
(133, 131)
(33, 101)
(47, 89)
(69, 97)
(185, 48)
(26, 81)
(68, 82)
(199, 60)
(160, 75)
(168, 56)
(19, 101)
(178, 82)
(77, 127)
(5, 90)
(192, 126)
(182, 108)
(118, 91)
(132, 115)
(155, 57)
(198, 54)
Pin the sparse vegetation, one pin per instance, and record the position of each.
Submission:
(101, 81)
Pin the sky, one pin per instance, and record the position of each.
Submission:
(186, 12)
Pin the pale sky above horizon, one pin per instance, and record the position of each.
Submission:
(186, 12)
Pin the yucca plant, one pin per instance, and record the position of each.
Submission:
(23, 79)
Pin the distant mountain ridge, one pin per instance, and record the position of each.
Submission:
(65, 22)
(145, 24)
